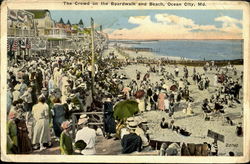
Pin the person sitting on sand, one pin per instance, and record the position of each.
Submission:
(218, 107)
(164, 125)
(205, 107)
(183, 132)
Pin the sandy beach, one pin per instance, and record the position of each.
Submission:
(194, 124)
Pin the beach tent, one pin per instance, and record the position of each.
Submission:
(125, 109)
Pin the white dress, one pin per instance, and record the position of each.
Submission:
(40, 114)
(141, 104)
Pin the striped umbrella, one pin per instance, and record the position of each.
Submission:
(14, 46)
(8, 45)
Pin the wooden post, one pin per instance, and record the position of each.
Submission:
(73, 126)
(93, 57)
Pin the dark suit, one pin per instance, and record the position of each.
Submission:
(130, 143)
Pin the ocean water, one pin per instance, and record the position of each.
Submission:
(194, 49)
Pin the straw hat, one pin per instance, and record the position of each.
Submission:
(83, 119)
(17, 87)
(138, 119)
(130, 119)
(144, 121)
(108, 99)
(132, 125)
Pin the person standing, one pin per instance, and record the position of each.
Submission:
(141, 104)
(51, 85)
(58, 113)
(215, 80)
(171, 109)
(87, 134)
(40, 113)
(66, 142)
(176, 71)
(12, 142)
(16, 94)
(214, 148)
(9, 99)
(166, 103)
(109, 121)
(24, 142)
(161, 98)
(27, 97)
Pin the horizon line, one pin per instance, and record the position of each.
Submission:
(174, 39)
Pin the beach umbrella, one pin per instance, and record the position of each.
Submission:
(139, 94)
(125, 109)
(173, 88)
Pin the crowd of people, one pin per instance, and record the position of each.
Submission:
(44, 90)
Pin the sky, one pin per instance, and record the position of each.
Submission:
(160, 24)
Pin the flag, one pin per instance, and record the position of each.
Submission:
(13, 15)
(8, 45)
(14, 46)
(92, 23)
(20, 16)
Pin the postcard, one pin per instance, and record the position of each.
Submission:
(125, 81)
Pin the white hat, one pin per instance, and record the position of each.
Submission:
(130, 119)
(84, 116)
(83, 119)
(108, 99)
(132, 125)
(138, 119)
(144, 121)
(17, 87)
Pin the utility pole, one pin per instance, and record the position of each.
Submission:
(93, 56)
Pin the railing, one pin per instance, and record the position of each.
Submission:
(57, 36)
(74, 120)
(15, 32)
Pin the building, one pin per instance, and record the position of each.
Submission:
(21, 23)
(44, 22)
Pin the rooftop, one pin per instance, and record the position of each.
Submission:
(39, 13)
